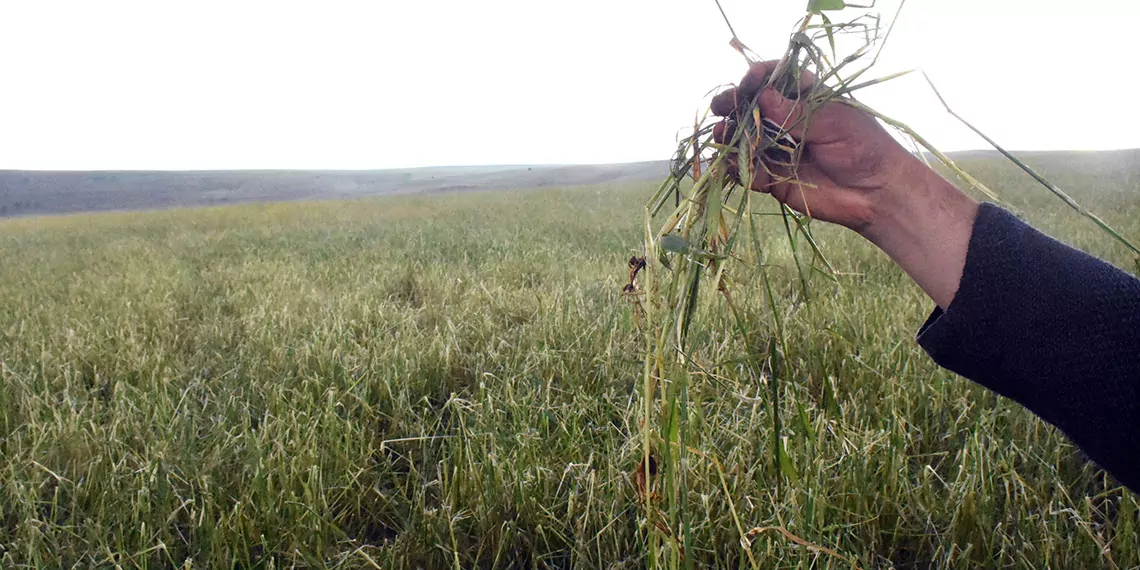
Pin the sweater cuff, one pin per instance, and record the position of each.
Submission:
(951, 336)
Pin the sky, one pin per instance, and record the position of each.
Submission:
(330, 84)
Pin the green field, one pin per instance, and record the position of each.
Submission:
(452, 382)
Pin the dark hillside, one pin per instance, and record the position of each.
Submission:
(58, 192)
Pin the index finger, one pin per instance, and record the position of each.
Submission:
(753, 82)
(725, 102)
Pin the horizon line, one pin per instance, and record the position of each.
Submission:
(463, 166)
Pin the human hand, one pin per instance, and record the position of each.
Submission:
(852, 172)
(849, 164)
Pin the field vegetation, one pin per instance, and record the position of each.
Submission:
(452, 382)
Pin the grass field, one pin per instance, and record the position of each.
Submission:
(451, 382)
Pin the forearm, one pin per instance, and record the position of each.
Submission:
(1053, 328)
(924, 224)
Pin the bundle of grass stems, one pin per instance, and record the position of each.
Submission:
(713, 225)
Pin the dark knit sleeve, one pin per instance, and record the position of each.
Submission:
(1053, 328)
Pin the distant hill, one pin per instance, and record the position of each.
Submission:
(25, 193)
(1083, 174)
(1061, 162)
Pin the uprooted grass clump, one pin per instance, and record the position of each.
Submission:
(696, 250)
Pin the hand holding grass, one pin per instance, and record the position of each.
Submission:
(852, 172)
(1077, 310)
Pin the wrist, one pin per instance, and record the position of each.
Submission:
(915, 203)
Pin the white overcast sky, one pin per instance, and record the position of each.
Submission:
(207, 84)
